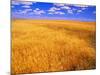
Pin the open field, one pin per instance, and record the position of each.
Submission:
(51, 45)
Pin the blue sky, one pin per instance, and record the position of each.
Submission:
(58, 11)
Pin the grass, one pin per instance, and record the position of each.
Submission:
(51, 45)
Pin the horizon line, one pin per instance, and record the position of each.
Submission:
(53, 19)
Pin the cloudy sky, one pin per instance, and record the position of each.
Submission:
(40, 10)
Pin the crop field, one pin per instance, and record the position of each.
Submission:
(52, 45)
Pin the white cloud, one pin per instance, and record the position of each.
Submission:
(28, 9)
(59, 4)
(37, 11)
(26, 6)
(79, 11)
(50, 13)
(65, 7)
(15, 3)
(53, 9)
(26, 3)
(24, 11)
(60, 13)
(22, 2)
(57, 12)
(70, 11)
(62, 6)
(82, 6)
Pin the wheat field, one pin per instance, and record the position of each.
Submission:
(52, 45)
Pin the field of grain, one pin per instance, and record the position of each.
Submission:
(52, 45)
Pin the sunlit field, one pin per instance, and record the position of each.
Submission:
(52, 45)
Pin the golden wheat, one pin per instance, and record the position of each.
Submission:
(43, 45)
